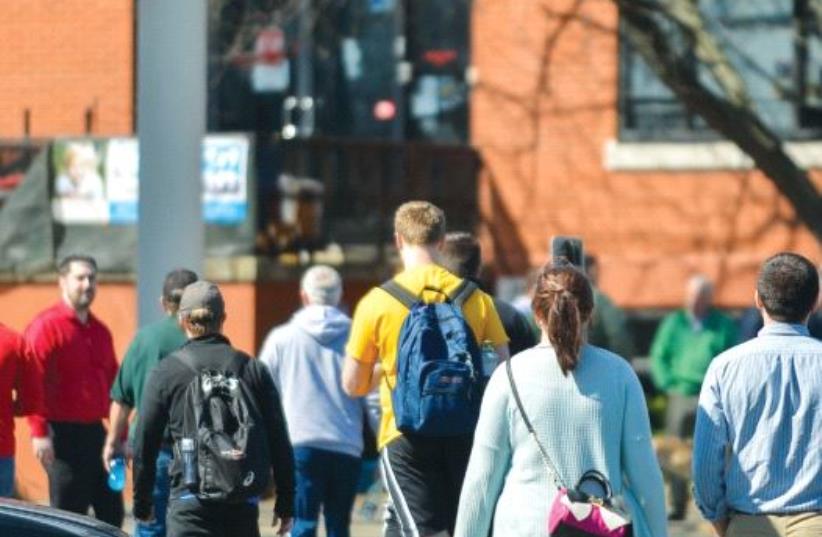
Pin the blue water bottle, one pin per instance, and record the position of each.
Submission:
(117, 474)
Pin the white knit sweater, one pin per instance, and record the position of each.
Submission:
(595, 418)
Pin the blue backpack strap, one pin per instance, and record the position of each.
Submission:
(403, 295)
(463, 291)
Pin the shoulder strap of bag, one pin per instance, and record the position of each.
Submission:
(403, 295)
(187, 359)
(545, 458)
(463, 291)
(458, 297)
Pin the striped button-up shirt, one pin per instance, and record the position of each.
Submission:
(758, 438)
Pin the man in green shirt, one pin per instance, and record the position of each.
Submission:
(683, 347)
(608, 327)
(151, 344)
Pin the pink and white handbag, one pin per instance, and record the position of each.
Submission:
(576, 513)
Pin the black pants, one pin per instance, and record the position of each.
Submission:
(77, 479)
(424, 478)
(190, 517)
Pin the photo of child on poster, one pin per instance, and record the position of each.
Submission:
(79, 191)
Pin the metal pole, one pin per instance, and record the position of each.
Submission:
(397, 148)
(305, 69)
(171, 108)
(402, 71)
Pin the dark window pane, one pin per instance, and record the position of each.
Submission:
(347, 64)
(775, 48)
(438, 49)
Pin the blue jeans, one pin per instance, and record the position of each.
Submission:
(6, 477)
(160, 495)
(327, 479)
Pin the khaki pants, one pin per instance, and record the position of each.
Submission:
(799, 525)
(679, 422)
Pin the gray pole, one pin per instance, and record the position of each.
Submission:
(305, 69)
(171, 107)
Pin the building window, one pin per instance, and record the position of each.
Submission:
(376, 69)
(775, 45)
(318, 66)
(438, 51)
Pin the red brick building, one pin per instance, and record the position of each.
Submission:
(545, 120)
(61, 60)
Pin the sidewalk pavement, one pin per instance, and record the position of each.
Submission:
(692, 526)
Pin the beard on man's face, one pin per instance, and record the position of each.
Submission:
(81, 299)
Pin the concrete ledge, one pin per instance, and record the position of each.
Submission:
(359, 262)
(672, 156)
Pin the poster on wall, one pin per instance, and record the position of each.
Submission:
(96, 182)
(225, 170)
(79, 195)
(122, 172)
(270, 72)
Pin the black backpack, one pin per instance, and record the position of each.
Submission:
(229, 458)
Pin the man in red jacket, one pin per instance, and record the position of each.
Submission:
(20, 394)
(75, 355)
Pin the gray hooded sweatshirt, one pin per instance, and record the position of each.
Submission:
(305, 358)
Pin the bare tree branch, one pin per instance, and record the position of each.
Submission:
(686, 13)
(551, 40)
(816, 8)
(737, 122)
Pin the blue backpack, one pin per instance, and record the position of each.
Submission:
(439, 369)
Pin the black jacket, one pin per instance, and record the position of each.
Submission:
(162, 405)
(521, 335)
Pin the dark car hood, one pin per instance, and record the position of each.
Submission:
(20, 518)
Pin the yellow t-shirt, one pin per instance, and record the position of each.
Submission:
(378, 318)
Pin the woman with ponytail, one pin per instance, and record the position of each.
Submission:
(587, 410)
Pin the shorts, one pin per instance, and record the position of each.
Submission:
(424, 477)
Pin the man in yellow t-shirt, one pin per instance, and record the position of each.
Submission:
(423, 473)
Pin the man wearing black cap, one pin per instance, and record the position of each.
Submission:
(208, 371)
(151, 344)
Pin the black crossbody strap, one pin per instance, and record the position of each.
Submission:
(545, 458)
(403, 295)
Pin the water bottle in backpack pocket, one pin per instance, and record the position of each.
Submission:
(438, 387)
(188, 455)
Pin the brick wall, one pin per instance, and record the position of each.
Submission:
(542, 111)
(60, 57)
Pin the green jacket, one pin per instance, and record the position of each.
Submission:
(680, 355)
(151, 344)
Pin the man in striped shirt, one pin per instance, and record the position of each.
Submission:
(758, 442)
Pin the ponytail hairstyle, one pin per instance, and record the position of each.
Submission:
(562, 304)
(201, 321)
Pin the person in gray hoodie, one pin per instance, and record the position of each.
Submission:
(305, 358)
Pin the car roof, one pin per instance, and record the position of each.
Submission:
(31, 517)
